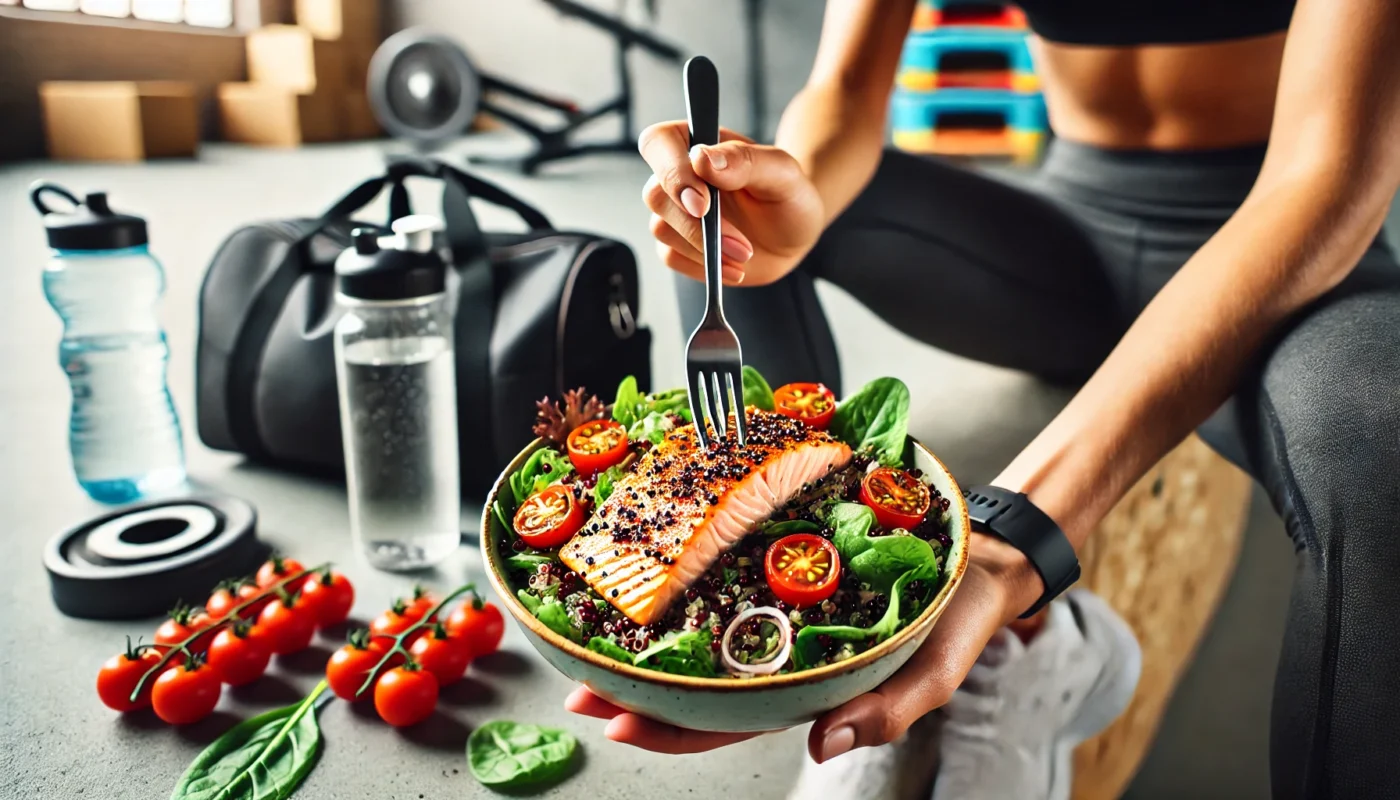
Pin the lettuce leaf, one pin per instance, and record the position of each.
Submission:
(680, 653)
(603, 489)
(609, 647)
(756, 390)
(627, 406)
(876, 419)
(877, 560)
(806, 651)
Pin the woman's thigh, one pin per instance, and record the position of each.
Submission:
(953, 258)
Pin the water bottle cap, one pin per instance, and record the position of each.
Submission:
(90, 224)
(398, 268)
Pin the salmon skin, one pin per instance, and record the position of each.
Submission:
(681, 507)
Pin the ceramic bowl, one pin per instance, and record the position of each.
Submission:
(731, 704)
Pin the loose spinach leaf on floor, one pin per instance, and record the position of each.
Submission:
(264, 758)
(806, 651)
(876, 418)
(680, 653)
(505, 754)
(610, 648)
(756, 390)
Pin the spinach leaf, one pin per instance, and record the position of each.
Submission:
(806, 651)
(503, 753)
(610, 648)
(530, 561)
(263, 758)
(556, 618)
(602, 490)
(787, 526)
(653, 427)
(503, 519)
(877, 560)
(672, 401)
(756, 390)
(559, 466)
(680, 653)
(875, 418)
(529, 600)
(628, 404)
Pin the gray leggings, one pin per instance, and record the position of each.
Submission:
(1046, 277)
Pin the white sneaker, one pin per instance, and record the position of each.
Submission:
(900, 770)
(1012, 727)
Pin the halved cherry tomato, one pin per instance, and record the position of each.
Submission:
(812, 403)
(802, 569)
(549, 518)
(898, 499)
(595, 446)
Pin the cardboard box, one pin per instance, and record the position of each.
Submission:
(352, 21)
(120, 120)
(358, 118)
(289, 56)
(261, 113)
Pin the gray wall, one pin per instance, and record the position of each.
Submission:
(528, 42)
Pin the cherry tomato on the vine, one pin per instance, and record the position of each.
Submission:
(393, 621)
(442, 654)
(350, 665)
(186, 694)
(275, 569)
(120, 674)
(481, 628)
(285, 626)
(246, 592)
(222, 601)
(237, 657)
(330, 594)
(177, 628)
(420, 604)
(405, 695)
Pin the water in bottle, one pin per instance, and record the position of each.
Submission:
(398, 398)
(124, 435)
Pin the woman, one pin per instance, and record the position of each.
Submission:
(1189, 275)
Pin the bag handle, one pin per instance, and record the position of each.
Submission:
(464, 234)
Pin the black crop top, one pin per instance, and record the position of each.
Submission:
(1135, 22)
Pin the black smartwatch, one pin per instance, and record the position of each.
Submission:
(1012, 517)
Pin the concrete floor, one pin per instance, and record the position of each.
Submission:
(1213, 743)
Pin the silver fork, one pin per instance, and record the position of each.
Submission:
(713, 350)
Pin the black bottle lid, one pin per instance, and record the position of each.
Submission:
(400, 267)
(90, 225)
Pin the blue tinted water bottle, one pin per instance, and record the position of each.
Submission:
(123, 433)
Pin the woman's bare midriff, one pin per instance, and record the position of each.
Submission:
(1162, 97)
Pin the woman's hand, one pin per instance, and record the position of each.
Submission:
(999, 584)
(771, 213)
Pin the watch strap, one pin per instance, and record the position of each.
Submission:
(1012, 517)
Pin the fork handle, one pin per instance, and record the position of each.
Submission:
(702, 115)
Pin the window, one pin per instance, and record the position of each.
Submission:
(205, 13)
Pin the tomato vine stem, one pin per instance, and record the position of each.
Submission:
(399, 638)
(231, 617)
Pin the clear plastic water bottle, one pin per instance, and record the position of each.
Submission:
(398, 396)
(123, 433)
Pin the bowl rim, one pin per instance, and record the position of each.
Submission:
(495, 574)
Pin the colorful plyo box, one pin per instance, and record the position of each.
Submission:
(930, 14)
(916, 119)
(922, 61)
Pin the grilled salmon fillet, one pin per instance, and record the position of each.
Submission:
(681, 507)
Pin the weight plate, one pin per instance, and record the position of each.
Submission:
(423, 87)
(141, 560)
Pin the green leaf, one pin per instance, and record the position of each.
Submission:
(504, 753)
(602, 490)
(788, 526)
(503, 518)
(875, 418)
(529, 561)
(877, 560)
(264, 758)
(529, 600)
(806, 651)
(756, 389)
(627, 406)
(559, 466)
(556, 618)
(523, 481)
(653, 427)
(606, 646)
(680, 653)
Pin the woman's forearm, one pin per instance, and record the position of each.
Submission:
(837, 137)
(1187, 351)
